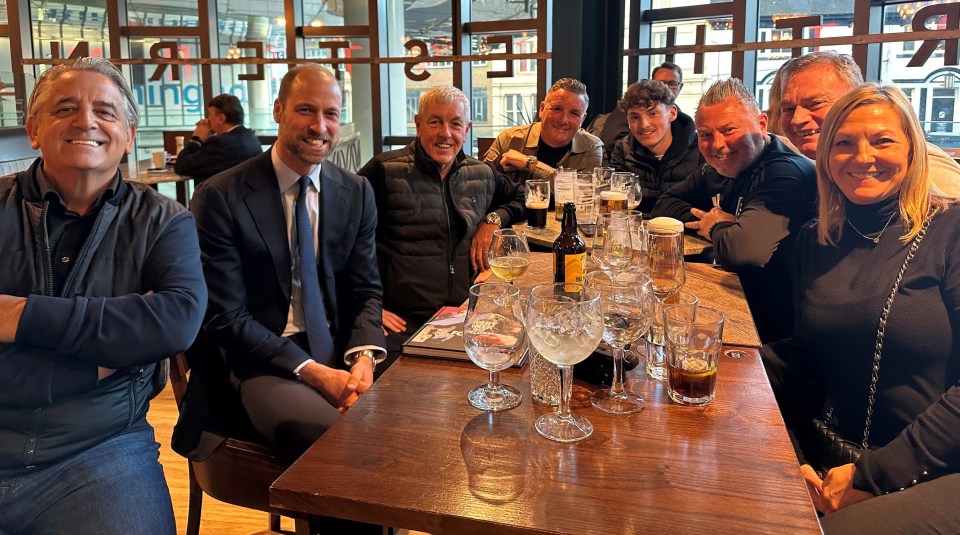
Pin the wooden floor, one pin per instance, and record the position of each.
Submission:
(218, 518)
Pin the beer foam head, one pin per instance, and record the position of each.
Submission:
(613, 196)
(538, 204)
(665, 223)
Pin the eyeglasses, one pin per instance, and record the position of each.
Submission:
(674, 85)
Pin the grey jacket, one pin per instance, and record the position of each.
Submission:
(586, 152)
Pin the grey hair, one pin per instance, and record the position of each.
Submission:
(572, 85)
(730, 88)
(843, 65)
(92, 64)
(444, 94)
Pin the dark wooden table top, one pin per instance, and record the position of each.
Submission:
(692, 245)
(413, 453)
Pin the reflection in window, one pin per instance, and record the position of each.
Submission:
(478, 106)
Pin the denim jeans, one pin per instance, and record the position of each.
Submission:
(115, 487)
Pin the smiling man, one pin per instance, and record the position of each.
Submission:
(766, 192)
(662, 148)
(535, 151)
(812, 83)
(99, 280)
(438, 210)
(295, 299)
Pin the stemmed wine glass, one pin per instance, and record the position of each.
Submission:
(494, 338)
(638, 239)
(612, 248)
(565, 323)
(667, 275)
(627, 306)
(509, 254)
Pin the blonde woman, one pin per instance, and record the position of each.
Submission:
(883, 252)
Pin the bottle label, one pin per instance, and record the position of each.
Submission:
(574, 267)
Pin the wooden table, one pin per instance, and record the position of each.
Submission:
(144, 175)
(692, 245)
(413, 453)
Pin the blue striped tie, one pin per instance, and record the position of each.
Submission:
(314, 315)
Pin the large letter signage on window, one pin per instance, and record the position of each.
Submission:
(952, 14)
(257, 48)
(504, 40)
(82, 50)
(155, 51)
(424, 52)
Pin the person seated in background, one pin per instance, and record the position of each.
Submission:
(437, 210)
(766, 192)
(812, 83)
(289, 255)
(535, 151)
(884, 252)
(219, 141)
(611, 127)
(101, 280)
(661, 148)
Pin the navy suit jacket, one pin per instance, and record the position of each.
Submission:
(218, 153)
(246, 262)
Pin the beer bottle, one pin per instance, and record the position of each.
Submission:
(569, 251)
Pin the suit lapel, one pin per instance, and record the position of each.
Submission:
(335, 200)
(265, 204)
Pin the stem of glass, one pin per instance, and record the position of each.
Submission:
(494, 381)
(566, 391)
(616, 386)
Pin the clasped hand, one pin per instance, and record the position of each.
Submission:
(835, 491)
(514, 160)
(339, 387)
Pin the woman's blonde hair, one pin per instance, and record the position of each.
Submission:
(915, 199)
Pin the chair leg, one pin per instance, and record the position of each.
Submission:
(301, 526)
(195, 504)
(274, 522)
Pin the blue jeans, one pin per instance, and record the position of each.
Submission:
(116, 486)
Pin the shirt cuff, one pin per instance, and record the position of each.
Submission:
(296, 371)
(357, 349)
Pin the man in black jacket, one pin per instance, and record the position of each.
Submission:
(219, 141)
(437, 210)
(100, 280)
(661, 149)
(766, 193)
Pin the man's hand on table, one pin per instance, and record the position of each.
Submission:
(514, 160)
(708, 220)
(335, 385)
(392, 323)
(481, 245)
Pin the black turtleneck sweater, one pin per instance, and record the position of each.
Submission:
(842, 290)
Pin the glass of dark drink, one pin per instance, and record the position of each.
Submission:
(694, 335)
(538, 201)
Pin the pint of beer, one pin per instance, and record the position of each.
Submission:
(538, 200)
(612, 201)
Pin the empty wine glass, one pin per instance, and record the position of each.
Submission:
(509, 254)
(565, 325)
(627, 305)
(494, 338)
(638, 240)
(612, 248)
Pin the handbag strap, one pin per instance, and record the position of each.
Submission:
(881, 330)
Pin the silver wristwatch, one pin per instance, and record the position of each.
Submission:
(493, 218)
(375, 357)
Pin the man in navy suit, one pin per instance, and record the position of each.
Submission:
(248, 219)
(219, 141)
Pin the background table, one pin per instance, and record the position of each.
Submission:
(151, 178)
(413, 453)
